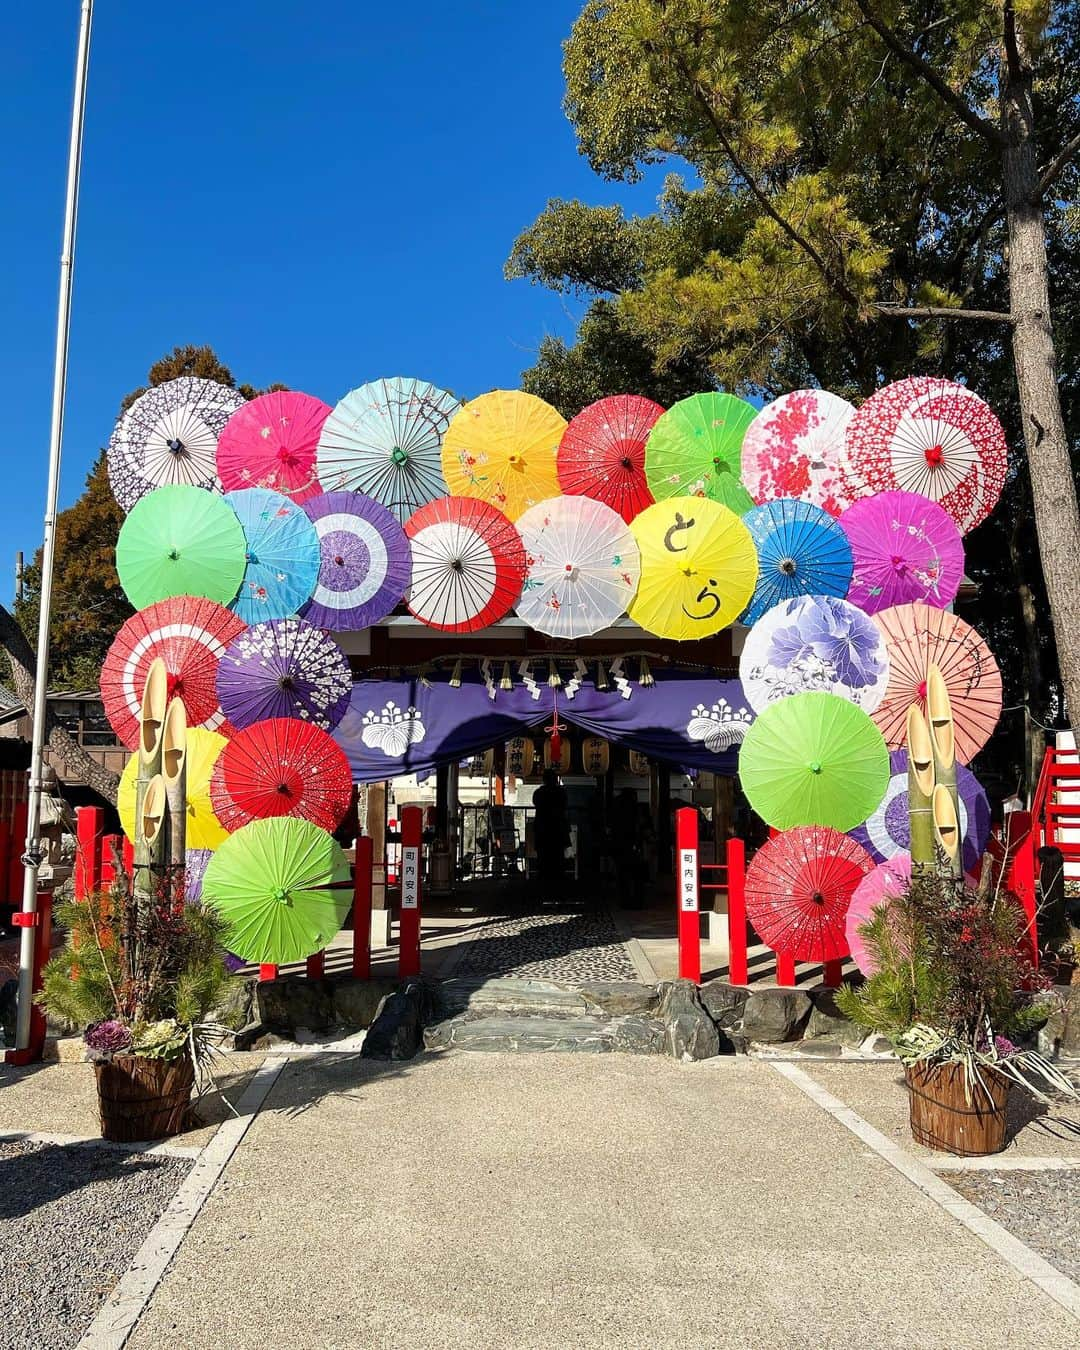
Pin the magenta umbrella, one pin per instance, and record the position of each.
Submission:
(270, 443)
(906, 548)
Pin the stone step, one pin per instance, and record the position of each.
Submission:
(485, 994)
(522, 1032)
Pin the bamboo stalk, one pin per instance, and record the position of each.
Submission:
(151, 720)
(943, 745)
(920, 791)
(947, 833)
(174, 772)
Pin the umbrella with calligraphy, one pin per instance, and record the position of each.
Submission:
(501, 448)
(801, 551)
(602, 452)
(364, 561)
(468, 564)
(795, 447)
(271, 443)
(905, 548)
(695, 448)
(281, 555)
(284, 668)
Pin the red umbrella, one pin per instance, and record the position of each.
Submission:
(798, 889)
(281, 767)
(602, 453)
(468, 564)
(189, 634)
(271, 442)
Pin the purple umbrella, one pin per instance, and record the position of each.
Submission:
(284, 668)
(886, 833)
(906, 548)
(365, 564)
(195, 864)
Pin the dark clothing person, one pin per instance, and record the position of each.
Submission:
(550, 827)
(626, 848)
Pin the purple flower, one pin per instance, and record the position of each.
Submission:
(850, 649)
(1004, 1047)
(107, 1038)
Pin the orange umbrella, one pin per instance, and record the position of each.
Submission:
(918, 636)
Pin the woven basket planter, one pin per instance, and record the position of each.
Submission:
(142, 1098)
(943, 1119)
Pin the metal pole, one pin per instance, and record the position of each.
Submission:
(32, 856)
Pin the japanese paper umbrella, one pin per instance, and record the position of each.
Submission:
(281, 767)
(801, 551)
(933, 437)
(694, 450)
(905, 548)
(887, 881)
(502, 448)
(582, 566)
(468, 564)
(817, 642)
(364, 561)
(180, 541)
(813, 759)
(283, 887)
(204, 830)
(698, 568)
(196, 861)
(271, 442)
(602, 453)
(384, 440)
(794, 447)
(919, 635)
(886, 832)
(281, 560)
(798, 889)
(190, 635)
(169, 435)
(285, 668)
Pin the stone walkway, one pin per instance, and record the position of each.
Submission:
(569, 948)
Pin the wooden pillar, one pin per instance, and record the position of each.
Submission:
(663, 823)
(375, 827)
(723, 818)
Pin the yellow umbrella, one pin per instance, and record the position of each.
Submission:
(698, 568)
(204, 830)
(501, 448)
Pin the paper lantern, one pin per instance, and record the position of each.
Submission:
(595, 755)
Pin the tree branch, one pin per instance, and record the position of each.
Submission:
(1057, 165)
(926, 72)
(941, 312)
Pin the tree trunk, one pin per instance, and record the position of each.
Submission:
(1053, 488)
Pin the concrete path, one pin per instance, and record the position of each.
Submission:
(556, 1201)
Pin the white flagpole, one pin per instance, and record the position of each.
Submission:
(32, 855)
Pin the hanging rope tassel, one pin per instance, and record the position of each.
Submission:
(601, 676)
(505, 682)
(554, 678)
(455, 675)
(645, 677)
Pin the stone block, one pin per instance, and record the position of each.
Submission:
(724, 1003)
(621, 997)
(1060, 1036)
(293, 1001)
(236, 1003)
(690, 1033)
(827, 1020)
(397, 1030)
(356, 1002)
(774, 1015)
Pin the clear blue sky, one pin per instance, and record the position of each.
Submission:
(325, 192)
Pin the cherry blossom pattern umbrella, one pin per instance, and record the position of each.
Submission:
(602, 453)
(930, 436)
(801, 551)
(817, 642)
(468, 564)
(180, 541)
(195, 864)
(169, 435)
(887, 881)
(281, 767)
(794, 447)
(798, 889)
(364, 561)
(695, 448)
(582, 567)
(918, 636)
(281, 557)
(190, 635)
(501, 448)
(905, 548)
(886, 832)
(285, 668)
(384, 439)
(271, 443)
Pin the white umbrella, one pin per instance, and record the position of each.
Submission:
(582, 566)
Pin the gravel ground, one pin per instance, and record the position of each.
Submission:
(1040, 1208)
(71, 1219)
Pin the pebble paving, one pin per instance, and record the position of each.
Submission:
(568, 948)
(1040, 1208)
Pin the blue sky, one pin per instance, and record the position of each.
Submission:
(325, 192)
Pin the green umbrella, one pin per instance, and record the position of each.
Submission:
(695, 450)
(814, 759)
(283, 885)
(180, 540)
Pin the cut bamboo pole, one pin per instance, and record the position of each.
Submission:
(174, 772)
(947, 833)
(943, 746)
(920, 792)
(151, 722)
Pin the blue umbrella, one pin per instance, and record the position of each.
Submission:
(282, 555)
(801, 551)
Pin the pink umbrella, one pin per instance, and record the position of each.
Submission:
(795, 447)
(887, 881)
(271, 442)
(905, 548)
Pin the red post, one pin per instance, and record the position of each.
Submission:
(1021, 873)
(785, 969)
(833, 975)
(361, 913)
(15, 863)
(42, 921)
(128, 855)
(5, 855)
(686, 850)
(412, 829)
(89, 839)
(267, 972)
(316, 966)
(736, 918)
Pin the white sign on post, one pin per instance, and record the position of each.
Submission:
(688, 888)
(410, 878)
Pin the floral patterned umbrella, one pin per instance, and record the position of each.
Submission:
(285, 668)
(885, 882)
(694, 450)
(501, 448)
(794, 447)
(801, 551)
(282, 555)
(905, 548)
(271, 442)
(817, 642)
(602, 453)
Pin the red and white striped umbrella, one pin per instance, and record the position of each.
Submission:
(930, 436)
(468, 564)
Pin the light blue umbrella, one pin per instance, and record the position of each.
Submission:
(384, 440)
(282, 555)
(801, 550)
